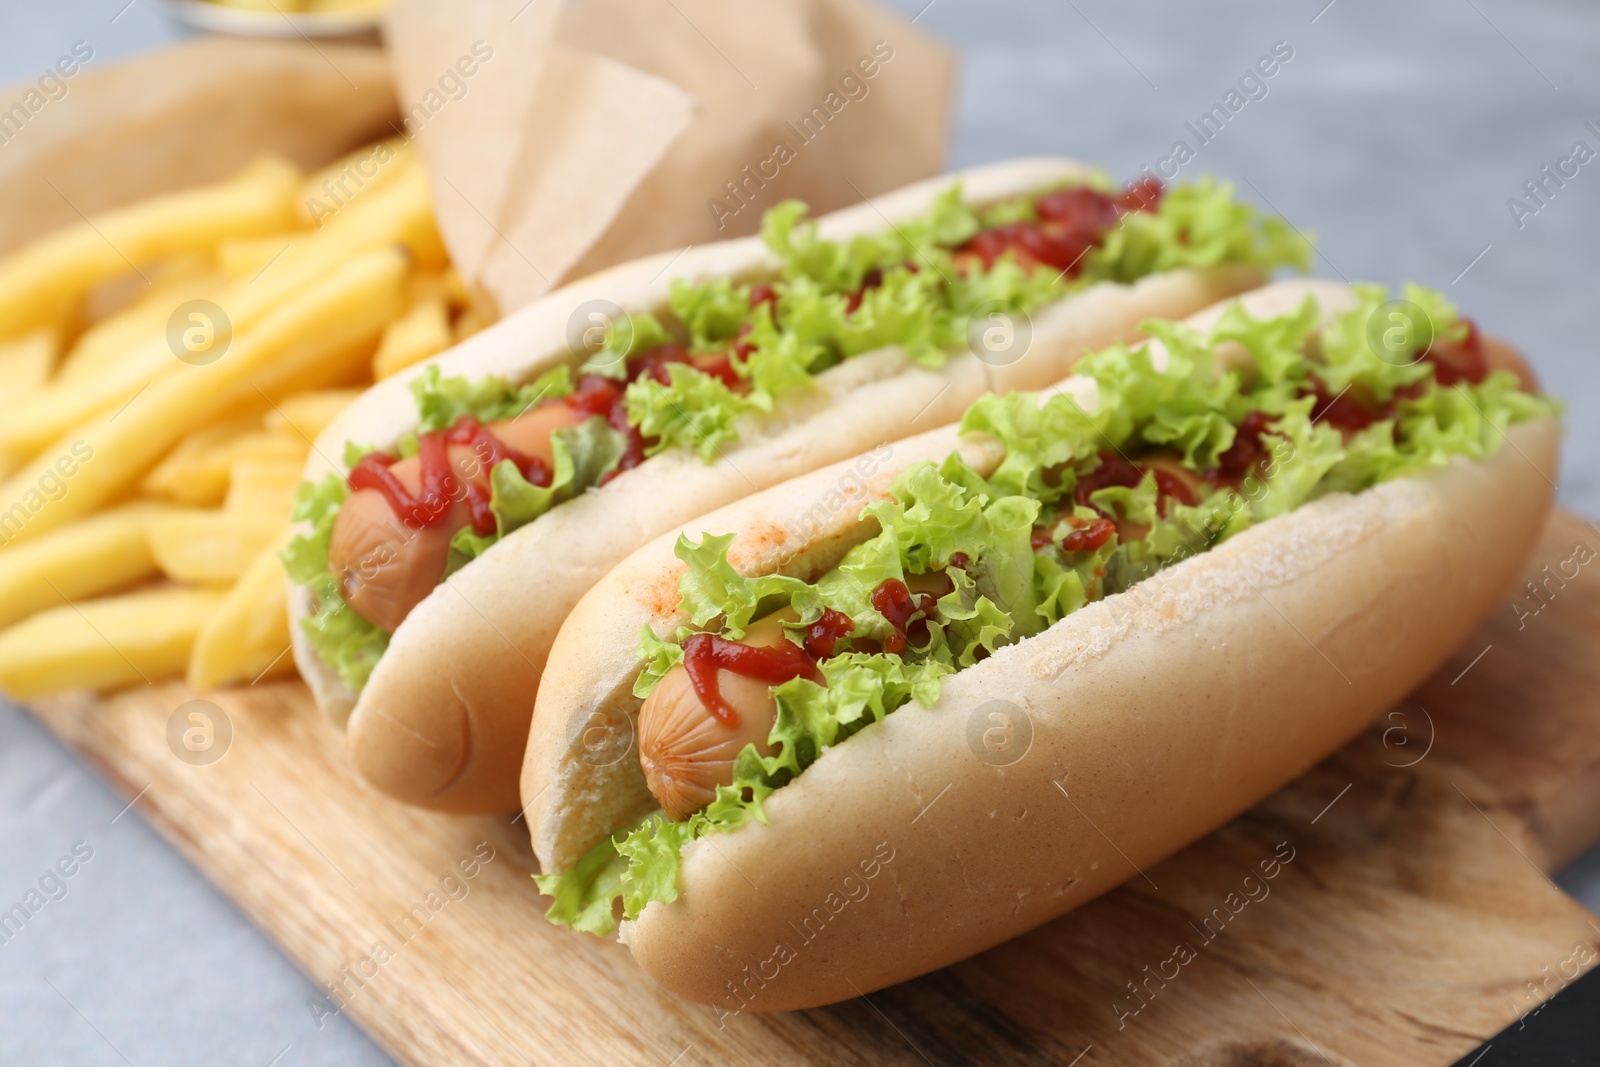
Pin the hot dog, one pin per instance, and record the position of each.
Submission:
(385, 565)
(1042, 650)
(724, 370)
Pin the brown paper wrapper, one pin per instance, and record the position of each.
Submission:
(608, 129)
(186, 115)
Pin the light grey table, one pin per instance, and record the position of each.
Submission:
(1396, 132)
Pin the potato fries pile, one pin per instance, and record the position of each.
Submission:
(164, 370)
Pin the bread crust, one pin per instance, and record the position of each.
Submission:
(443, 720)
(1155, 715)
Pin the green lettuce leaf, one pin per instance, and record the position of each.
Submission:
(696, 411)
(1199, 224)
(711, 311)
(441, 401)
(627, 336)
(342, 639)
(1377, 348)
(583, 897)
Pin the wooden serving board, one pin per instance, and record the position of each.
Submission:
(1409, 915)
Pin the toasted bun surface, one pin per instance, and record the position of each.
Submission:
(443, 720)
(1146, 720)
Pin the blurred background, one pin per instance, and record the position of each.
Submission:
(1398, 134)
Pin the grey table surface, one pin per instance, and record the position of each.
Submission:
(1398, 133)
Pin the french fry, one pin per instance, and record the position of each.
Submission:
(245, 257)
(67, 264)
(97, 461)
(305, 415)
(327, 191)
(198, 471)
(262, 487)
(202, 546)
(103, 553)
(104, 644)
(25, 365)
(399, 212)
(248, 637)
(107, 341)
(443, 284)
(421, 332)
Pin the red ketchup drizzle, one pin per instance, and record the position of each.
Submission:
(1090, 538)
(1071, 222)
(655, 362)
(1113, 470)
(1142, 195)
(1246, 454)
(824, 635)
(1459, 361)
(706, 654)
(764, 294)
(1343, 411)
(439, 480)
(898, 604)
(871, 280)
(1171, 487)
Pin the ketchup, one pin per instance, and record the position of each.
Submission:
(1071, 222)
(439, 478)
(1090, 538)
(824, 635)
(1142, 195)
(1114, 470)
(1171, 487)
(898, 604)
(1246, 454)
(1344, 411)
(706, 654)
(764, 294)
(1459, 361)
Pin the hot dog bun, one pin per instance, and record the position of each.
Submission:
(1155, 716)
(443, 719)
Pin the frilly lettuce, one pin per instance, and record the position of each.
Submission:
(342, 639)
(695, 411)
(441, 401)
(1200, 224)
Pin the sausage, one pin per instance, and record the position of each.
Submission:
(385, 567)
(686, 752)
